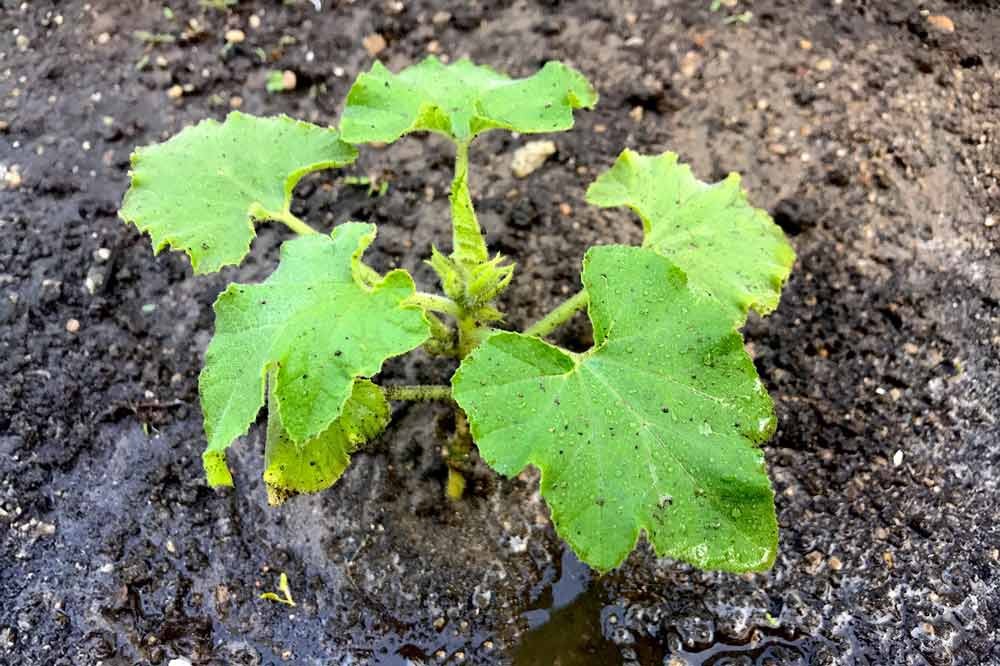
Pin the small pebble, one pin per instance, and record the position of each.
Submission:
(824, 65)
(103, 38)
(835, 564)
(941, 22)
(565, 209)
(805, 45)
(175, 92)
(636, 114)
(289, 80)
(179, 661)
(12, 177)
(990, 221)
(22, 42)
(374, 44)
(254, 21)
(235, 36)
(897, 459)
(690, 64)
(72, 325)
(813, 562)
(441, 18)
(529, 157)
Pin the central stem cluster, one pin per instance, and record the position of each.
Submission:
(472, 282)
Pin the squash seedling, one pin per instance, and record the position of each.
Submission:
(655, 430)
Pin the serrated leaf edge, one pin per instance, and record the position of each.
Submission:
(429, 110)
(161, 241)
(215, 453)
(640, 527)
(733, 181)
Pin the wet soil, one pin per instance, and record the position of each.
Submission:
(868, 129)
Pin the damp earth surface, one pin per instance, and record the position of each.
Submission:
(868, 129)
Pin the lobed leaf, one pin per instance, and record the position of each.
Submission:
(202, 190)
(291, 468)
(461, 100)
(728, 249)
(654, 429)
(316, 323)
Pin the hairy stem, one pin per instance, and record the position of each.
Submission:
(458, 454)
(468, 246)
(434, 303)
(560, 315)
(421, 392)
(468, 335)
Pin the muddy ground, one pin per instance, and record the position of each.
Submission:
(869, 129)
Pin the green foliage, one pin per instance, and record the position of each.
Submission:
(461, 100)
(291, 467)
(317, 324)
(202, 190)
(729, 249)
(286, 592)
(655, 428)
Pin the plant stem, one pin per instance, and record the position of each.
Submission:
(435, 303)
(458, 454)
(561, 314)
(468, 335)
(286, 217)
(468, 245)
(295, 224)
(420, 392)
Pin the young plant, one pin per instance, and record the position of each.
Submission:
(656, 429)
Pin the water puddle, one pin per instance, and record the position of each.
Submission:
(573, 622)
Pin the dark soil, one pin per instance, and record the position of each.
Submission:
(877, 149)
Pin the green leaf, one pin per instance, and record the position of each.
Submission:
(728, 249)
(317, 324)
(291, 468)
(654, 429)
(202, 190)
(461, 100)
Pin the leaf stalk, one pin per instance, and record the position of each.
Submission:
(468, 245)
(560, 315)
(417, 392)
(286, 217)
(435, 303)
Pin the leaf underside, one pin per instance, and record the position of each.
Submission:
(655, 429)
(461, 100)
(728, 249)
(316, 324)
(202, 190)
(291, 468)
